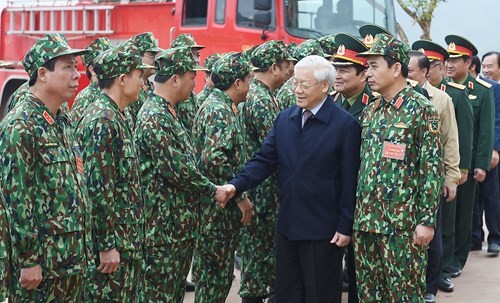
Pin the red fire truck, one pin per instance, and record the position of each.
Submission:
(220, 25)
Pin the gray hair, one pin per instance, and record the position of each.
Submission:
(323, 69)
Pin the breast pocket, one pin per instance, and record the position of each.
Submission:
(128, 163)
(54, 168)
(63, 245)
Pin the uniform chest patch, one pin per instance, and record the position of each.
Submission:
(433, 124)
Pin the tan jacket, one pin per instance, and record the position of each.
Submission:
(449, 133)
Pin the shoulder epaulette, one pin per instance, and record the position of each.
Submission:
(456, 85)
(484, 83)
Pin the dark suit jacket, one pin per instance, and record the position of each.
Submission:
(318, 168)
(496, 93)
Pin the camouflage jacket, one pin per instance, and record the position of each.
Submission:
(219, 144)
(187, 110)
(43, 184)
(203, 95)
(21, 94)
(169, 175)
(5, 260)
(401, 169)
(133, 109)
(285, 95)
(85, 97)
(257, 115)
(112, 175)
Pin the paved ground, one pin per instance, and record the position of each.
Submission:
(479, 283)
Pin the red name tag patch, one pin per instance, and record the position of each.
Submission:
(394, 151)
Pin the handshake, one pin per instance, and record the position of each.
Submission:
(225, 193)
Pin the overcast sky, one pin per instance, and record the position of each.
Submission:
(477, 20)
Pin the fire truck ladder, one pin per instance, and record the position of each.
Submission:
(80, 19)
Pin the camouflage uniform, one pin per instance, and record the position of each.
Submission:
(257, 239)
(112, 175)
(20, 94)
(328, 45)
(5, 250)
(43, 184)
(187, 109)
(92, 92)
(145, 42)
(172, 184)
(285, 95)
(207, 90)
(398, 187)
(218, 136)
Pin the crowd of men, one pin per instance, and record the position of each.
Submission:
(295, 156)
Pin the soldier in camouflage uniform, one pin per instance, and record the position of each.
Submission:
(187, 108)
(328, 45)
(92, 92)
(285, 95)
(148, 49)
(209, 85)
(218, 135)
(112, 175)
(5, 250)
(257, 115)
(170, 178)
(43, 183)
(399, 180)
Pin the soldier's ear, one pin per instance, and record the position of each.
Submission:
(121, 79)
(397, 69)
(362, 76)
(42, 74)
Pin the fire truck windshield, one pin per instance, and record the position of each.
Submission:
(315, 18)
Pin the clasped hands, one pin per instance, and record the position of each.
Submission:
(225, 193)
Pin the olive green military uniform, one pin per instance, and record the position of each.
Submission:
(218, 136)
(92, 92)
(173, 186)
(112, 179)
(257, 239)
(398, 188)
(42, 181)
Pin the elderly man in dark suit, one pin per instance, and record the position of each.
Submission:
(315, 146)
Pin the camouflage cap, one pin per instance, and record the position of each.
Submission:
(388, 45)
(229, 68)
(210, 60)
(185, 40)
(145, 42)
(48, 47)
(459, 46)
(247, 54)
(291, 49)
(95, 48)
(176, 60)
(270, 52)
(328, 44)
(122, 59)
(307, 48)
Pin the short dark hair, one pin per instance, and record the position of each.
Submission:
(477, 64)
(217, 81)
(106, 83)
(492, 53)
(265, 68)
(50, 65)
(162, 78)
(391, 61)
(87, 73)
(423, 61)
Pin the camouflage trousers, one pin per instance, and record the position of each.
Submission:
(166, 269)
(121, 286)
(258, 257)
(215, 261)
(389, 268)
(67, 289)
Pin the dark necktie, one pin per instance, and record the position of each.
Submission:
(346, 105)
(307, 114)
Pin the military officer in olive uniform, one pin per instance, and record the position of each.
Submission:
(399, 180)
(92, 92)
(112, 176)
(42, 180)
(481, 98)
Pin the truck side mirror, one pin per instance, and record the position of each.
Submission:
(262, 19)
(263, 5)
